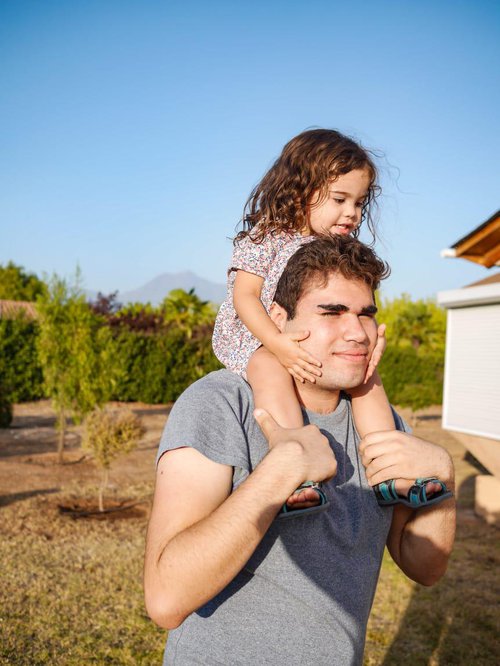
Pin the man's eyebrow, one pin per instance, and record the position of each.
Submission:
(339, 307)
(369, 310)
(334, 307)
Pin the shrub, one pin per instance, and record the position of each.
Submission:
(413, 378)
(107, 435)
(20, 369)
(156, 368)
(17, 285)
(5, 410)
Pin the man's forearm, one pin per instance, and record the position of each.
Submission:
(426, 537)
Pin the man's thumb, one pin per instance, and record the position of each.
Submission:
(266, 422)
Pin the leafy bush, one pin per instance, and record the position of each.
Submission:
(150, 363)
(5, 410)
(17, 285)
(412, 378)
(20, 369)
(156, 368)
(412, 367)
(109, 434)
(420, 324)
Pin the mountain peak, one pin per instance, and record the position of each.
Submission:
(156, 289)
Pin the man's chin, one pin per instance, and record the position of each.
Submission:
(337, 381)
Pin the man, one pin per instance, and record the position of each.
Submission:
(249, 589)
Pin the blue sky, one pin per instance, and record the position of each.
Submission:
(132, 132)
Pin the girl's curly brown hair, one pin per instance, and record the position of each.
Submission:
(308, 164)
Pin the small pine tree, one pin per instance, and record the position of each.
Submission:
(108, 435)
(75, 352)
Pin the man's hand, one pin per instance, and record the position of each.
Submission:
(311, 450)
(398, 455)
(377, 352)
(299, 363)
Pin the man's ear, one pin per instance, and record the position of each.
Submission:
(278, 316)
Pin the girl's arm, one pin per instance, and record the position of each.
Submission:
(246, 300)
(371, 409)
(249, 308)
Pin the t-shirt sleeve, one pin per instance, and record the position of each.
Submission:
(209, 419)
(253, 257)
(400, 423)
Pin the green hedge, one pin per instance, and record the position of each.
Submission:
(155, 367)
(20, 371)
(413, 378)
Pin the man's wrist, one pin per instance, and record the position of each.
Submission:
(447, 471)
(285, 460)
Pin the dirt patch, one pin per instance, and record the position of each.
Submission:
(28, 459)
(114, 510)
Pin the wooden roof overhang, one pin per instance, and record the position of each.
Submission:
(14, 309)
(482, 245)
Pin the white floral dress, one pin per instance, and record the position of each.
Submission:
(232, 342)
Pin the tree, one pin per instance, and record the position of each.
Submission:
(186, 310)
(75, 351)
(17, 285)
(412, 367)
(414, 323)
(107, 435)
(106, 304)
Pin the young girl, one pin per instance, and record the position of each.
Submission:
(323, 182)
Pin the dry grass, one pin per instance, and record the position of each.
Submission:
(71, 590)
(457, 621)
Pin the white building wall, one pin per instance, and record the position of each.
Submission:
(472, 372)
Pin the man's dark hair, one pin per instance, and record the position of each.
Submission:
(314, 262)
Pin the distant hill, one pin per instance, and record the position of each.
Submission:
(155, 291)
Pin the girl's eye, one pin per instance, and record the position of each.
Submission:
(360, 204)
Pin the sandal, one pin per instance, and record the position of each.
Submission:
(287, 512)
(416, 497)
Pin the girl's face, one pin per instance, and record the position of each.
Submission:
(340, 211)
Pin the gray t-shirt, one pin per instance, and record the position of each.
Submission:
(306, 592)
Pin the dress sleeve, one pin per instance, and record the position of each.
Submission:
(253, 257)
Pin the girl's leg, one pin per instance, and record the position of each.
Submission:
(372, 413)
(273, 389)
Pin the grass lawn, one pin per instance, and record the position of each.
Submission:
(71, 590)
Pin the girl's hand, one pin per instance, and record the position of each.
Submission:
(299, 363)
(377, 352)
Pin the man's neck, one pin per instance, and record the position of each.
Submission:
(316, 399)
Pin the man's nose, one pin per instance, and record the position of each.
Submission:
(354, 329)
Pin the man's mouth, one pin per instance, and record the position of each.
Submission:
(352, 355)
